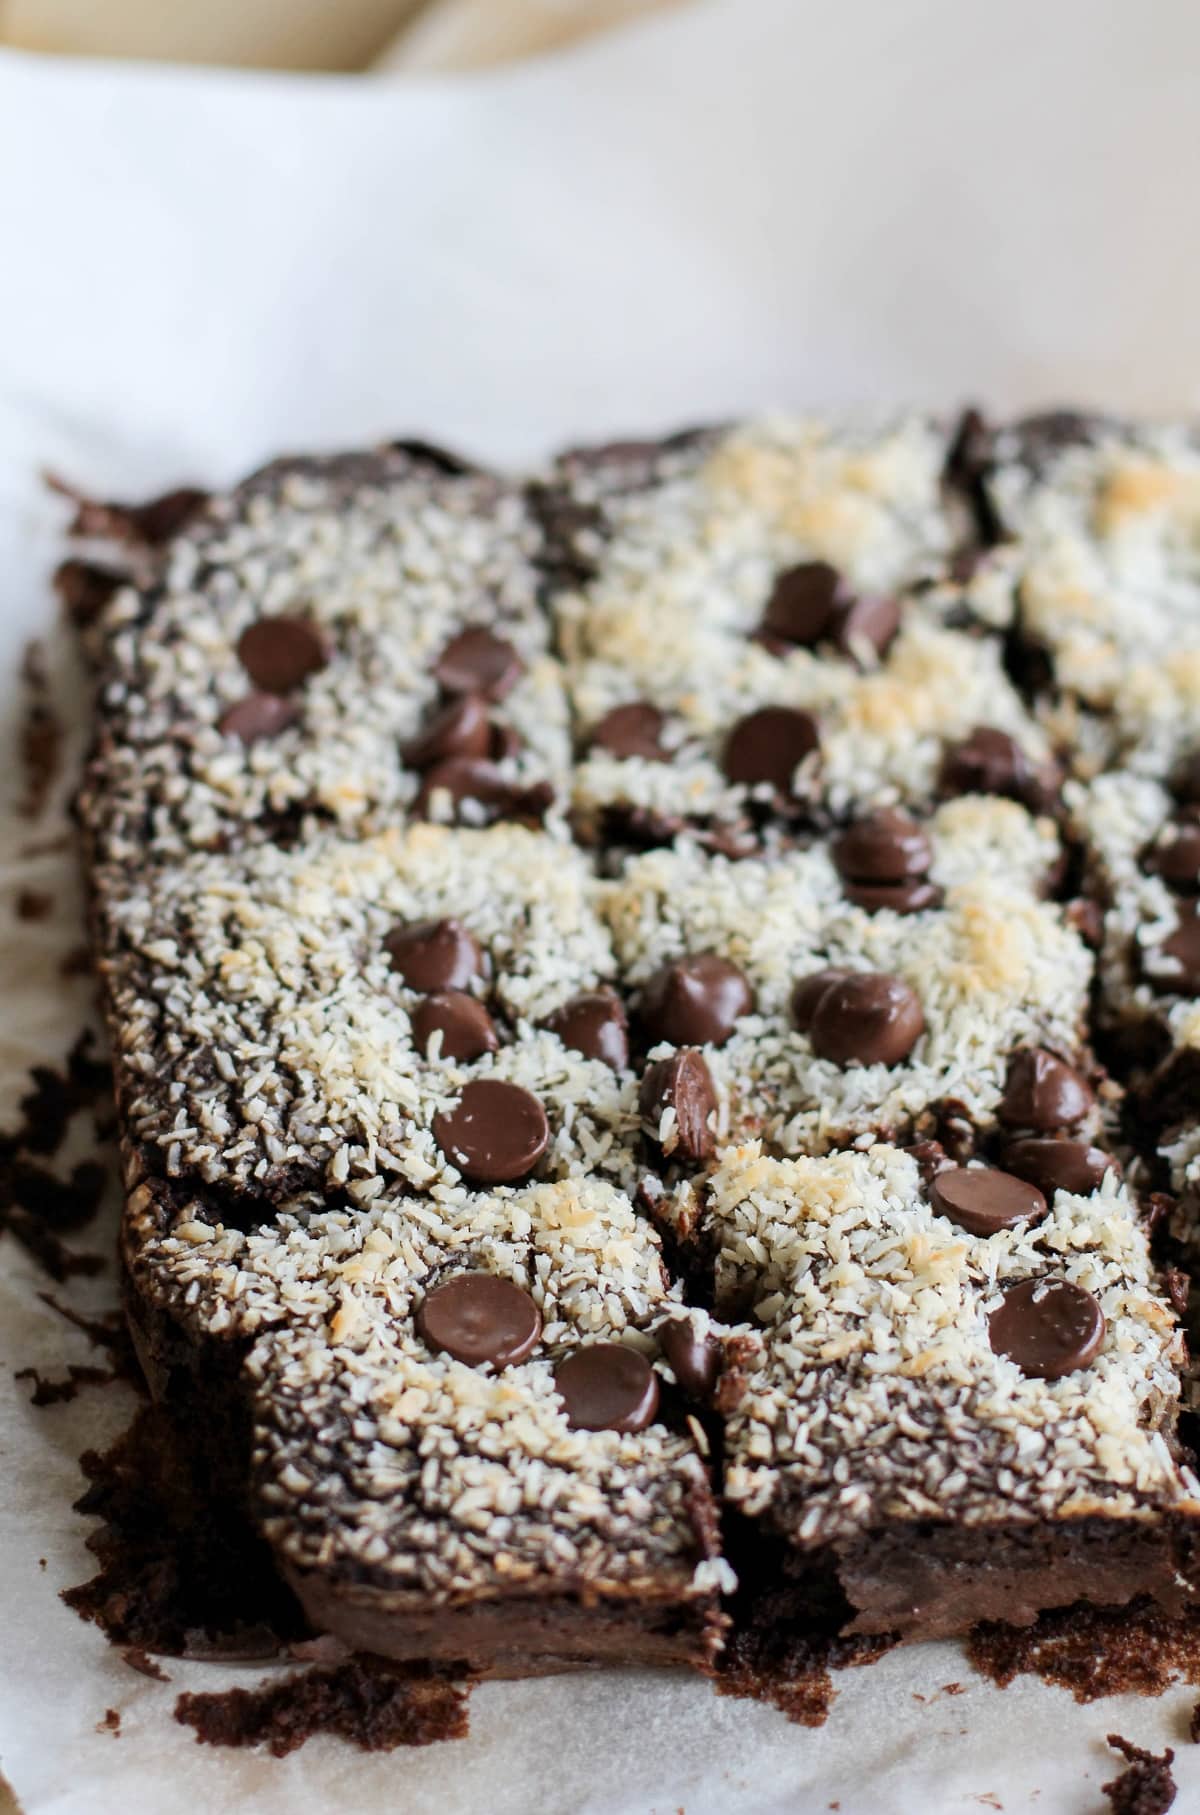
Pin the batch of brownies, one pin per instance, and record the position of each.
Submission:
(656, 1011)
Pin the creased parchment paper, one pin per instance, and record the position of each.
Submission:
(828, 202)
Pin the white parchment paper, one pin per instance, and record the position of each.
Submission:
(805, 201)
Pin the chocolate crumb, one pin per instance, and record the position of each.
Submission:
(1147, 1787)
(372, 1702)
(111, 1723)
(144, 1664)
(1092, 1651)
(33, 904)
(57, 1392)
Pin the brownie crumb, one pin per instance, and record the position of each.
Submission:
(57, 1392)
(372, 1702)
(36, 1206)
(111, 1723)
(41, 735)
(1092, 1651)
(144, 1664)
(34, 904)
(1147, 1787)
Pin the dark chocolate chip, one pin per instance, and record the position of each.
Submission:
(478, 661)
(477, 1318)
(280, 653)
(259, 715)
(606, 1386)
(868, 622)
(495, 1134)
(694, 1360)
(868, 1016)
(466, 1028)
(632, 730)
(695, 1001)
(911, 897)
(808, 993)
(459, 728)
(594, 1024)
(1173, 968)
(1049, 1327)
(886, 846)
(989, 761)
(982, 1201)
(1176, 856)
(683, 1083)
(1185, 779)
(641, 827)
(1042, 1091)
(492, 795)
(769, 745)
(1053, 1165)
(434, 955)
(803, 599)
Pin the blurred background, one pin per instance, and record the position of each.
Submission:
(341, 35)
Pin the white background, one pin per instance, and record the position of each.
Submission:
(821, 201)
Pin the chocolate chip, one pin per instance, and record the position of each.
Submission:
(594, 1024)
(695, 1001)
(1173, 968)
(434, 954)
(632, 730)
(459, 728)
(911, 897)
(869, 623)
(768, 746)
(1049, 1327)
(280, 653)
(931, 1158)
(466, 1027)
(495, 1134)
(1060, 1165)
(868, 1016)
(504, 743)
(886, 846)
(695, 1360)
(683, 1083)
(1042, 1091)
(479, 1318)
(1176, 856)
(259, 715)
(982, 1201)
(808, 993)
(801, 607)
(492, 795)
(987, 762)
(1185, 779)
(606, 1386)
(478, 661)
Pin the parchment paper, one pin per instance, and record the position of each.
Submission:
(832, 202)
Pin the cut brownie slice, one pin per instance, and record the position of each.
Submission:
(459, 1448)
(960, 1400)
(354, 637)
(343, 1013)
(929, 993)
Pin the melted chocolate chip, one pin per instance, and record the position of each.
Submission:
(459, 728)
(683, 1083)
(768, 746)
(632, 730)
(435, 955)
(868, 625)
(695, 1360)
(280, 653)
(989, 761)
(803, 600)
(593, 1024)
(983, 1201)
(605, 1386)
(869, 1017)
(466, 1028)
(1060, 1165)
(259, 715)
(695, 1001)
(1049, 1327)
(1043, 1092)
(495, 1134)
(478, 661)
(1176, 857)
(808, 993)
(492, 796)
(478, 1318)
(886, 846)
